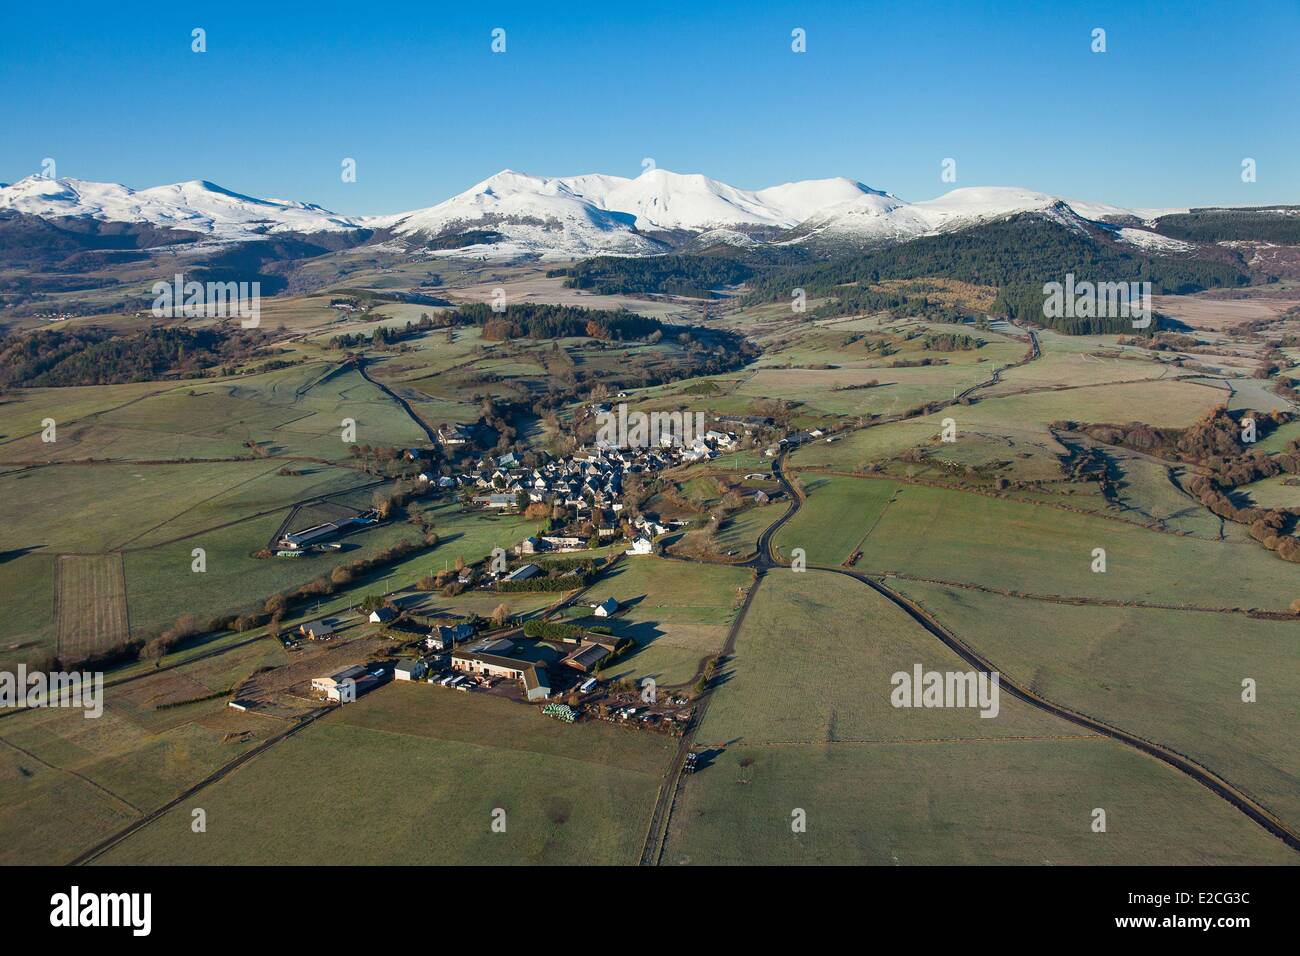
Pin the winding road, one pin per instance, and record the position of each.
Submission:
(768, 559)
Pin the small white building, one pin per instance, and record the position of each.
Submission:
(410, 670)
(605, 608)
(641, 546)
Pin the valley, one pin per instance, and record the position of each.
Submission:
(665, 650)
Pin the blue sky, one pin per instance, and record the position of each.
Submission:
(883, 94)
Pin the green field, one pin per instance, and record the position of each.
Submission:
(1169, 676)
(803, 721)
(838, 515)
(67, 781)
(428, 767)
(994, 534)
(677, 612)
(973, 538)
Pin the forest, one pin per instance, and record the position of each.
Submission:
(93, 355)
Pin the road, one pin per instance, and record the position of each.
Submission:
(768, 559)
(103, 846)
(406, 406)
(1186, 765)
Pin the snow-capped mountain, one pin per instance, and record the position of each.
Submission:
(513, 214)
(594, 214)
(196, 206)
(880, 218)
(664, 200)
(522, 214)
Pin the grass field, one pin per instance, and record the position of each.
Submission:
(294, 411)
(677, 612)
(1173, 677)
(89, 604)
(973, 538)
(67, 782)
(740, 532)
(837, 517)
(802, 720)
(429, 767)
(102, 524)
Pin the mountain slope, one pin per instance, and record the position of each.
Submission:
(197, 206)
(513, 214)
(517, 214)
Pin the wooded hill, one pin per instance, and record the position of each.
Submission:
(1017, 256)
(98, 356)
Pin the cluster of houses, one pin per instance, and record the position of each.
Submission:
(590, 479)
(486, 658)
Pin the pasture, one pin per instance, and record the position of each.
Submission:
(1170, 676)
(89, 604)
(1001, 543)
(802, 721)
(677, 612)
(67, 782)
(433, 765)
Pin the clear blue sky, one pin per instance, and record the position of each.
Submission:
(884, 93)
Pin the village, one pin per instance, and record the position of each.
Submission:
(554, 661)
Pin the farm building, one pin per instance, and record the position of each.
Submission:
(496, 501)
(586, 657)
(563, 542)
(409, 670)
(537, 684)
(523, 573)
(453, 435)
(494, 645)
(317, 630)
(382, 615)
(362, 685)
(606, 607)
(324, 685)
(444, 637)
(316, 533)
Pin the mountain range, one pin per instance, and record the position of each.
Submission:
(513, 214)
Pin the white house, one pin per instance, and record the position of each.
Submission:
(641, 546)
(409, 670)
(606, 607)
(382, 615)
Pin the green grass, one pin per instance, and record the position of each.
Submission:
(740, 532)
(971, 538)
(428, 768)
(971, 803)
(67, 781)
(294, 411)
(108, 507)
(677, 612)
(1173, 677)
(802, 719)
(835, 519)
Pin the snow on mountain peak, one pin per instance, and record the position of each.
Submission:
(197, 206)
(528, 214)
(513, 213)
